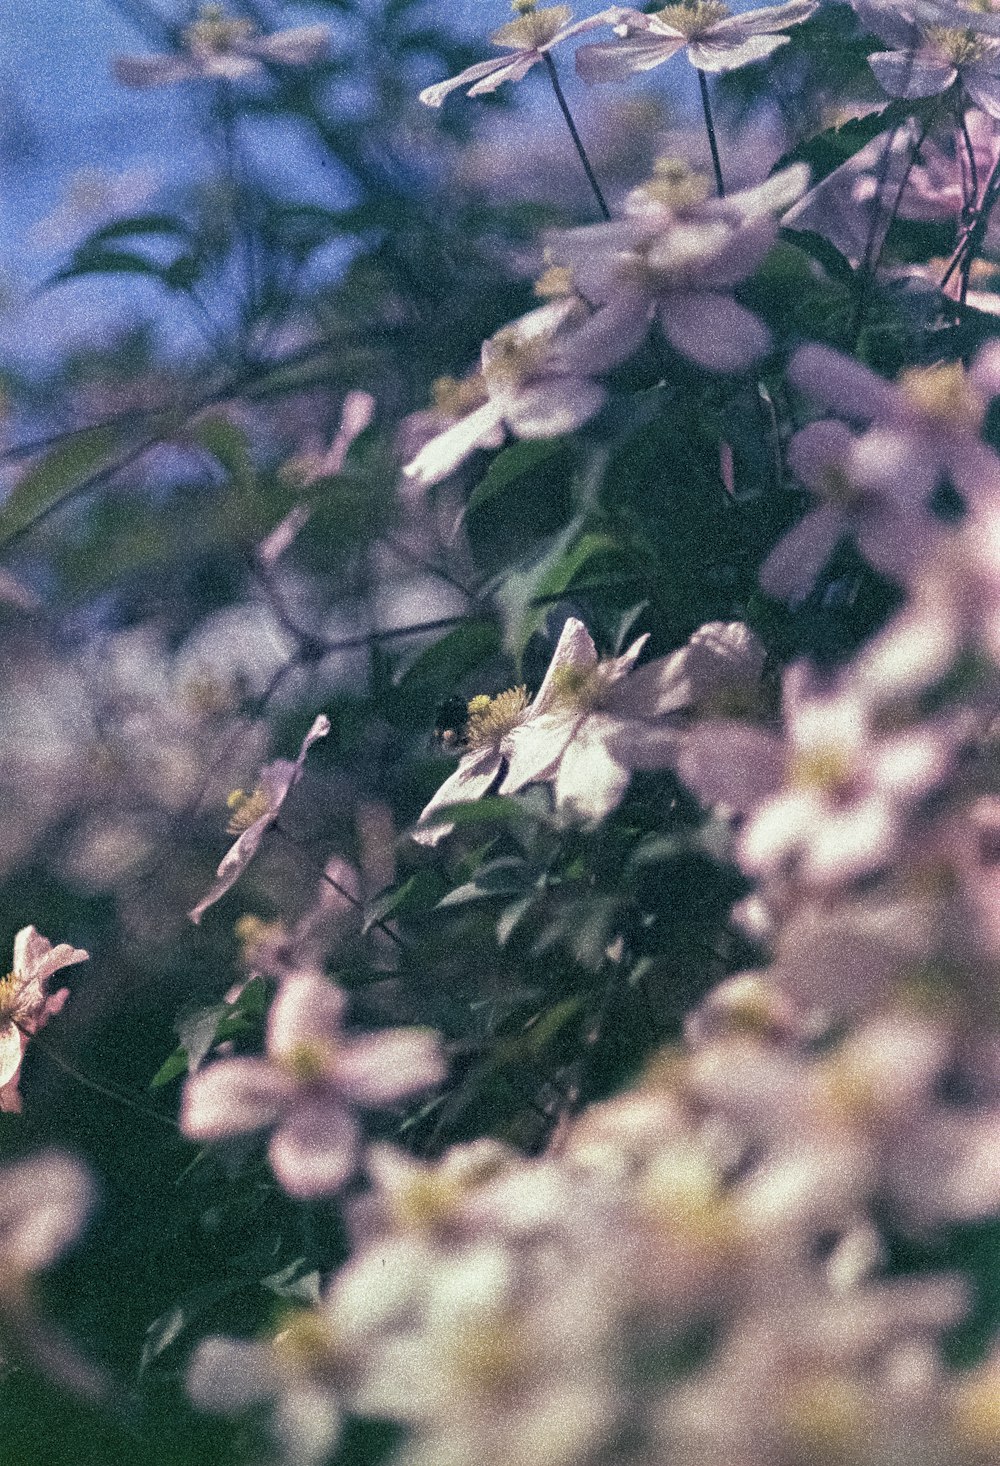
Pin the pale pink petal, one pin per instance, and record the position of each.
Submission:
(765, 19)
(590, 782)
(553, 406)
(226, 1375)
(779, 829)
(575, 648)
(382, 1068)
(315, 1150)
(731, 763)
(902, 74)
(909, 766)
(534, 749)
(610, 336)
(886, 19)
(844, 385)
(44, 1204)
(720, 657)
(474, 777)
(618, 60)
(154, 71)
(307, 1011)
(234, 1097)
(709, 55)
(983, 86)
(790, 570)
(818, 449)
(713, 330)
(443, 453)
(300, 46)
(12, 1045)
(434, 95)
(515, 69)
(849, 842)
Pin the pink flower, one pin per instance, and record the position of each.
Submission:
(677, 255)
(25, 1007)
(535, 378)
(935, 46)
(923, 428)
(714, 39)
(831, 798)
(530, 37)
(44, 1204)
(218, 47)
(306, 1089)
(254, 814)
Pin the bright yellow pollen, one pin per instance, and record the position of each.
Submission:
(246, 808)
(457, 398)
(306, 1346)
(491, 717)
(693, 19)
(673, 184)
(10, 988)
(944, 394)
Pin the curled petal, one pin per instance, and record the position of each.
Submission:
(37, 959)
(443, 454)
(433, 96)
(709, 55)
(618, 60)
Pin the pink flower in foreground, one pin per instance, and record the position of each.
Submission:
(307, 1087)
(923, 428)
(832, 797)
(44, 1204)
(254, 814)
(890, 522)
(677, 254)
(529, 38)
(715, 40)
(25, 1006)
(216, 46)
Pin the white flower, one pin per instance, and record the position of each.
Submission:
(714, 39)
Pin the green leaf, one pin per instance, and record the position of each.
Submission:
(525, 596)
(505, 877)
(163, 1331)
(60, 474)
(830, 149)
(438, 669)
(510, 465)
(228, 443)
(420, 892)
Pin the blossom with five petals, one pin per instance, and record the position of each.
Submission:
(25, 1006)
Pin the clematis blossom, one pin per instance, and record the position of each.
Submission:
(219, 47)
(676, 255)
(935, 45)
(254, 814)
(535, 379)
(529, 39)
(306, 1089)
(713, 38)
(25, 1006)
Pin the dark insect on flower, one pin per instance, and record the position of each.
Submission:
(451, 723)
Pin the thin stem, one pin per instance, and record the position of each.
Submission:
(577, 140)
(965, 252)
(873, 256)
(102, 1089)
(342, 891)
(706, 107)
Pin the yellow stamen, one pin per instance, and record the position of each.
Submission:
(555, 283)
(673, 184)
(491, 717)
(308, 1062)
(532, 29)
(944, 394)
(695, 18)
(457, 398)
(246, 809)
(827, 770)
(959, 46)
(215, 31)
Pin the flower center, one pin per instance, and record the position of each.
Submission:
(457, 398)
(695, 18)
(216, 32)
(960, 46)
(943, 394)
(246, 809)
(514, 359)
(309, 1061)
(533, 28)
(825, 770)
(306, 1347)
(673, 184)
(555, 283)
(10, 988)
(491, 717)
